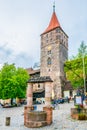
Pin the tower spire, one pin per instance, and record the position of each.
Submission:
(54, 6)
(54, 23)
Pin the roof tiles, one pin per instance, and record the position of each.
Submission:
(54, 23)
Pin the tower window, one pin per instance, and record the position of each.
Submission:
(50, 33)
(38, 85)
(47, 41)
(47, 36)
(49, 52)
(58, 37)
(49, 61)
(57, 30)
(62, 41)
(49, 70)
(51, 39)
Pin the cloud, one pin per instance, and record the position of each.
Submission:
(22, 22)
(23, 60)
(5, 52)
(20, 59)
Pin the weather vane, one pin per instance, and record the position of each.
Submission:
(54, 6)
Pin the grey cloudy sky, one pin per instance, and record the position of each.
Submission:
(22, 22)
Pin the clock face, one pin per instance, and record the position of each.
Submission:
(49, 48)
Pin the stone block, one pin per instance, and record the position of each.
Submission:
(49, 114)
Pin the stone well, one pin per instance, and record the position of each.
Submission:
(36, 119)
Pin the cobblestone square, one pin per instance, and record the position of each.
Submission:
(61, 119)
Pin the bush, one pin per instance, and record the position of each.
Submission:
(82, 116)
(79, 106)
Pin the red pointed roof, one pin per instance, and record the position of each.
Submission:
(54, 23)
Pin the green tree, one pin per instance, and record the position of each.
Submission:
(74, 68)
(12, 81)
(21, 78)
(82, 51)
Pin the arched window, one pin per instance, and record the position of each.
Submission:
(49, 61)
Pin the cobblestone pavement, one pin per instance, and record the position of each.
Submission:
(61, 119)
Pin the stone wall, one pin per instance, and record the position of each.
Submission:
(49, 116)
(26, 110)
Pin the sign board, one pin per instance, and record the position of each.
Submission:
(66, 94)
(78, 100)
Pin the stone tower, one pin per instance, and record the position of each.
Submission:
(54, 52)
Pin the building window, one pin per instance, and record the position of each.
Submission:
(50, 33)
(47, 36)
(57, 30)
(58, 37)
(38, 85)
(49, 52)
(49, 61)
(47, 41)
(51, 39)
(49, 70)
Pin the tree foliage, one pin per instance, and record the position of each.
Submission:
(74, 68)
(82, 51)
(12, 81)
